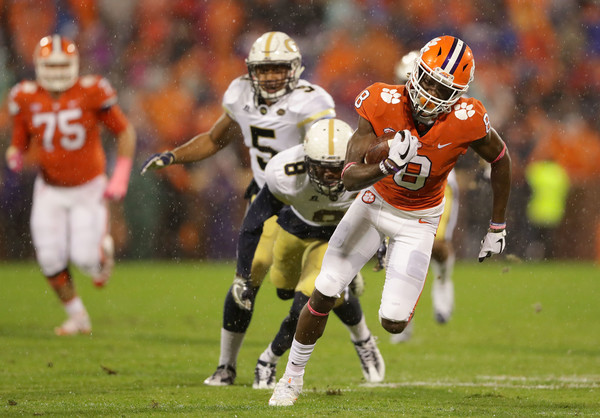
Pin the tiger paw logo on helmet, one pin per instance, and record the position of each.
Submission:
(390, 96)
(463, 111)
(430, 44)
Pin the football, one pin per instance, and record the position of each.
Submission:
(380, 149)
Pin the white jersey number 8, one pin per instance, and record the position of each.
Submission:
(416, 173)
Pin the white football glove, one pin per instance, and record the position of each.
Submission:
(403, 148)
(242, 293)
(492, 243)
(157, 161)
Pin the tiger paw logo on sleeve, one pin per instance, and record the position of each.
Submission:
(390, 96)
(463, 111)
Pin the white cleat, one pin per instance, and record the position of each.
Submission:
(442, 294)
(77, 324)
(286, 391)
(264, 375)
(404, 336)
(373, 366)
(223, 376)
(108, 262)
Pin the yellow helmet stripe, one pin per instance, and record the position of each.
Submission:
(268, 44)
(331, 135)
(327, 113)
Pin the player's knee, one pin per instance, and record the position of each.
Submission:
(440, 250)
(87, 261)
(285, 294)
(50, 262)
(393, 327)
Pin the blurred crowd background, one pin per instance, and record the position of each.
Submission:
(537, 72)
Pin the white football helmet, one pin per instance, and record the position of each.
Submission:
(325, 146)
(274, 49)
(56, 63)
(441, 74)
(404, 67)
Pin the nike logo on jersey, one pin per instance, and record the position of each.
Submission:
(440, 146)
(421, 221)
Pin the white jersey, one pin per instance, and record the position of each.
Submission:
(287, 179)
(268, 130)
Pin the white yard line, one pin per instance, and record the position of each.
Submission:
(511, 382)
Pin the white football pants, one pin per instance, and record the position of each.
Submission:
(68, 224)
(358, 236)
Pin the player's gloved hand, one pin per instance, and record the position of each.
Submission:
(402, 149)
(381, 252)
(357, 285)
(243, 293)
(493, 243)
(157, 161)
(14, 159)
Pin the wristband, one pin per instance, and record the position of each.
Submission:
(383, 168)
(390, 166)
(497, 227)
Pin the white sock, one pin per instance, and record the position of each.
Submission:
(299, 355)
(268, 356)
(231, 342)
(75, 307)
(360, 331)
(436, 269)
(448, 267)
(443, 269)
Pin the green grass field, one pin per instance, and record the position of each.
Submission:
(524, 341)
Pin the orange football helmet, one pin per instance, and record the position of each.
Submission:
(441, 74)
(56, 63)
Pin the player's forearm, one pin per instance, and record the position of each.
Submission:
(196, 149)
(126, 142)
(500, 179)
(357, 176)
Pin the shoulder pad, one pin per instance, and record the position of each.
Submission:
(88, 81)
(25, 87)
(235, 90)
(472, 116)
(311, 99)
(20, 93)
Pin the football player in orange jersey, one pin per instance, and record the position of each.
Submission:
(402, 197)
(59, 116)
(442, 254)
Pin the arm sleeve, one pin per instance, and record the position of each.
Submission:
(20, 137)
(262, 208)
(114, 119)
